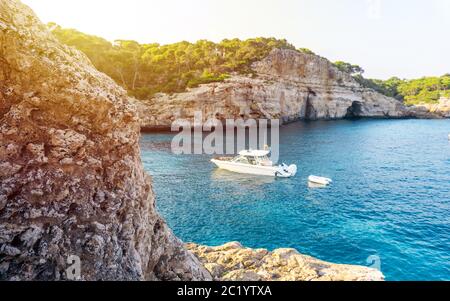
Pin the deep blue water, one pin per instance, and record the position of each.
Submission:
(390, 196)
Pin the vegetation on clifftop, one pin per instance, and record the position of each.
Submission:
(415, 91)
(146, 69)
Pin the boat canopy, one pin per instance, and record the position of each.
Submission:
(254, 153)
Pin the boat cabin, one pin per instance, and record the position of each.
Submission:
(254, 157)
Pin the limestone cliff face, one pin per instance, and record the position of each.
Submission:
(71, 178)
(287, 85)
(233, 262)
(438, 110)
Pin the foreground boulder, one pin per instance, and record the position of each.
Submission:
(71, 180)
(232, 262)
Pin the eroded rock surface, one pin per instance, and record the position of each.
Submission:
(71, 178)
(232, 262)
(287, 85)
(438, 110)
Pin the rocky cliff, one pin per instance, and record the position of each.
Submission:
(438, 110)
(71, 178)
(287, 84)
(233, 262)
(72, 184)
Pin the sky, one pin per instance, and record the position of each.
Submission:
(404, 38)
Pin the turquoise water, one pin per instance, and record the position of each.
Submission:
(390, 197)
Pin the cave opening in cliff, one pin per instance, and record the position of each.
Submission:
(354, 111)
(310, 111)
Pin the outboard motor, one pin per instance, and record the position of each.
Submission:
(292, 169)
(286, 171)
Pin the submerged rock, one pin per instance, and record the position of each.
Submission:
(71, 178)
(232, 262)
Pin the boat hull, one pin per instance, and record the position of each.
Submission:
(319, 180)
(246, 168)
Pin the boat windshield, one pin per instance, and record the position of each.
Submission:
(241, 159)
(252, 160)
(263, 161)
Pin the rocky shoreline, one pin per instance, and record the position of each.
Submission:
(438, 110)
(233, 262)
(422, 113)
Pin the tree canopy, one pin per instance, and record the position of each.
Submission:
(426, 89)
(146, 69)
(415, 91)
(349, 68)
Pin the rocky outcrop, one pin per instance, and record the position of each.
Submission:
(232, 262)
(71, 178)
(286, 85)
(437, 110)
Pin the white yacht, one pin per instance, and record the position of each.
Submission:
(255, 162)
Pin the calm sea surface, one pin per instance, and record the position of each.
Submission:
(390, 198)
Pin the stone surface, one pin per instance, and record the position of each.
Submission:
(439, 110)
(287, 84)
(233, 262)
(71, 178)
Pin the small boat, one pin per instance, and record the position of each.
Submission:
(255, 162)
(320, 180)
(315, 185)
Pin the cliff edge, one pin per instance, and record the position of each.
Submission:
(71, 178)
